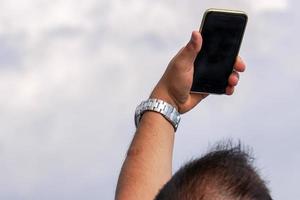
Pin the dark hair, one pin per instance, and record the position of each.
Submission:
(226, 172)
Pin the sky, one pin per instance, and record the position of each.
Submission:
(73, 72)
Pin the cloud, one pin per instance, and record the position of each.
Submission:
(265, 5)
(72, 72)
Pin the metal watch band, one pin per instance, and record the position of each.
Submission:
(162, 107)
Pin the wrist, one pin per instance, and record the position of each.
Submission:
(154, 119)
(165, 109)
(163, 94)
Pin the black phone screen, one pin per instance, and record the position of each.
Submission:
(222, 33)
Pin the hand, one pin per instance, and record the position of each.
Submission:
(175, 85)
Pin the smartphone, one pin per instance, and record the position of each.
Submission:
(222, 32)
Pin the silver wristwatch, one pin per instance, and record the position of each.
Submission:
(162, 107)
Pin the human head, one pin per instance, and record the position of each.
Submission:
(225, 173)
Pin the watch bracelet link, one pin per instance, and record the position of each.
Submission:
(156, 105)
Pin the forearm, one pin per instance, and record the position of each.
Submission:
(148, 165)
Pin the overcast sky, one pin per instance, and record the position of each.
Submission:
(73, 71)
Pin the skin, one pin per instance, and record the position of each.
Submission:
(148, 164)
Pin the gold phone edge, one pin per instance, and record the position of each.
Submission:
(220, 10)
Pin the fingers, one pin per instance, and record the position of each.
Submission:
(229, 90)
(191, 50)
(233, 79)
(239, 65)
(232, 82)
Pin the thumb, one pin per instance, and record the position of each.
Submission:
(191, 50)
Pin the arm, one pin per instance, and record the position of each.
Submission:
(148, 165)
